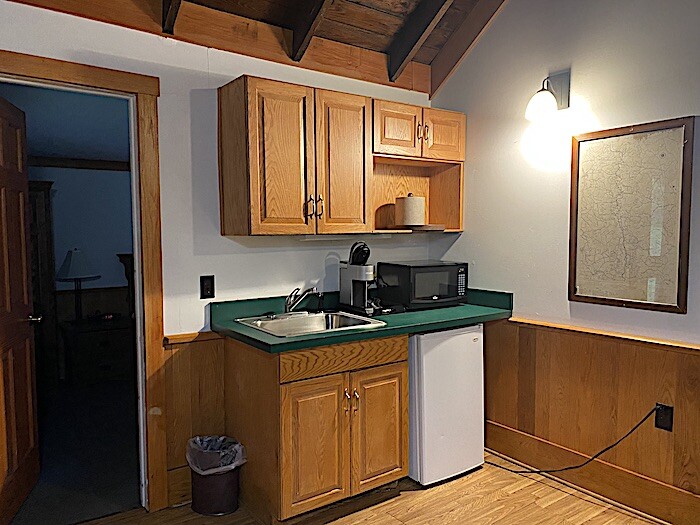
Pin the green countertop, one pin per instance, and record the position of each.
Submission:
(495, 305)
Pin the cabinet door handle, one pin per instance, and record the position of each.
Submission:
(310, 207)
(419, 131)
(319, 206)
(426, 134)
(357, 399)
(348, 399)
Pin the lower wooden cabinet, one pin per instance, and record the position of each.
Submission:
(340, 430)
(379, 449)
(315, 444)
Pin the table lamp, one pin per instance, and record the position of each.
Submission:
(76, 268)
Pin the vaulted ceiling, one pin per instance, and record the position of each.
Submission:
(414, 44)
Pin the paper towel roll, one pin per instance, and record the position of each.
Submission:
(410, 211)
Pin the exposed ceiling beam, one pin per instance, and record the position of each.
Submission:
(170, 11)
(305, 27)
(463, 40)
(413, 34)
(203, 26)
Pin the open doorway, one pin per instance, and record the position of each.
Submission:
(81, 246)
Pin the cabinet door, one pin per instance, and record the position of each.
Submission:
(343, 161)
(398, 128)
(444, 134)
(281, 157)
(315, 447)
(379, 426)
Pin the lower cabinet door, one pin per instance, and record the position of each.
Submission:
(379, 426)
(315, 447)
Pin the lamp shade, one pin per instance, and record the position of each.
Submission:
(542, 105)
(76, 266)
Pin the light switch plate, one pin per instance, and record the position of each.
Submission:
(206, 287)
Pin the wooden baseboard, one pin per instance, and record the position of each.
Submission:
(652, 497)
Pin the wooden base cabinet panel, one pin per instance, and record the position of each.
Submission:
(379, 426)
(312, 442)
(315, 447)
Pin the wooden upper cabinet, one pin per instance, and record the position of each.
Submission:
(379, 426)
(444, 134)
(266, 158)
(315, 443)
(413, 131)
(398, 128)
(343, 162)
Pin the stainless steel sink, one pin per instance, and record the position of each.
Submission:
(303, 323)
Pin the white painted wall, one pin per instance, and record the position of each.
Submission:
(632, 61)
(189, 77)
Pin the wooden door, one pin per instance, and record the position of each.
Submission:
(343, 162)
(398, 128)
(19, 457)
(315, 445)
(281, 156)
(444, 134)
(379, 426)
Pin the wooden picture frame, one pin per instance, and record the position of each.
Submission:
(660, 193)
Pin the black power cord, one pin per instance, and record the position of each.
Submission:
(552, 471)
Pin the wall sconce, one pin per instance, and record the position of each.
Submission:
(553, 96)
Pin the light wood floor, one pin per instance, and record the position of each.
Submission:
(488, 495)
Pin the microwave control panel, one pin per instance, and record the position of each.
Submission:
(461, 282)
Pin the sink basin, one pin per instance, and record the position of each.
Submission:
(303, 323)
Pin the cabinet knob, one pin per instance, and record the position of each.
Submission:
(319, 206)
(426, 132)
(419, 131)
(34, 319)
(356, 395)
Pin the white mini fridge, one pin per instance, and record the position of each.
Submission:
(446, 378)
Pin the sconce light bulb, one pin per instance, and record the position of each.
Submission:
(542, 105)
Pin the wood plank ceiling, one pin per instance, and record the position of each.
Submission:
(404, 30)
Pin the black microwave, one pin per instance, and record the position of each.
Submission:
(422, 284)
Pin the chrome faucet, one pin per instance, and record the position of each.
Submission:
(295, 298)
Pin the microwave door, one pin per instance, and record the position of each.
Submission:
(431, 286)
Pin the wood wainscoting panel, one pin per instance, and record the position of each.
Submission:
(194, 377)
(579, 392)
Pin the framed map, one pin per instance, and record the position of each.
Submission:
(630, 216)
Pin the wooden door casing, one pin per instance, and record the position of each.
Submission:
(282, 170)
(19, 458)
(344, 162)
(315, 443)
(398, 128)
(444, 134)
(379, 426)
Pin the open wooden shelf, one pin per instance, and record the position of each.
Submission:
(440, 182)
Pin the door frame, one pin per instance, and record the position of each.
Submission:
(143, 92)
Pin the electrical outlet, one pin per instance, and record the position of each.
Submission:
(206, 286)
(664, 417)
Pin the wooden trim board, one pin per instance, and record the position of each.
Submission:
(678, 345)
(639, 492)
(195, 337)
(51, 70)
(203, 26)
(146, 90)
